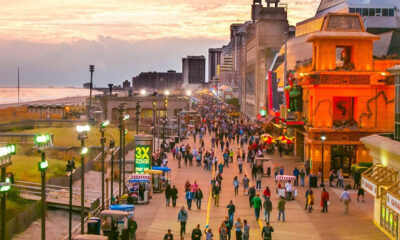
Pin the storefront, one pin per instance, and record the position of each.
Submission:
(383, 183)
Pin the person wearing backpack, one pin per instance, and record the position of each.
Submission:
(231, 210)
(267, 231)
(182, 218)
(198, 196)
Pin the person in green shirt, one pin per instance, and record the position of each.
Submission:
(257, 205)
(281, 209)
(196, 233)
(132, 227)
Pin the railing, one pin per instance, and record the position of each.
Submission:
(58, 192)
(29, 124)
(77, 229)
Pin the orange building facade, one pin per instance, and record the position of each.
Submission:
(346, 94)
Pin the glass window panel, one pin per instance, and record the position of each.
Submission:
(365, 12)
(352, 10)
(385, 12)
(359, 10)
(371, 12)
(391, 12)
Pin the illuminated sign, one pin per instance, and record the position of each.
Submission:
(368, 186)
(393, 203)
(142, 158)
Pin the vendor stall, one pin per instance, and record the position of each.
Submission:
(166, 177)
(265, 164)
(156, 179)
(285, 188)
(114, 224)
(139, 188)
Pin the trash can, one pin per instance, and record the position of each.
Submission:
(313, 181)
(93, 226)
(146, 196)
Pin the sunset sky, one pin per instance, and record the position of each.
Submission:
(54, 41)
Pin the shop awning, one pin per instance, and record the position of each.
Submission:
(393, 197)
(267, 119)
(378, 177)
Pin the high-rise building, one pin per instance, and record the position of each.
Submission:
(194, 71)
(157, 80)
(214, 59)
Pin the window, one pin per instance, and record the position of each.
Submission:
(371, 12)
(391, 12)
(352, 10)
(378, 12)
(359, 10)
(385, 12)
(364, 12)
(343, 57)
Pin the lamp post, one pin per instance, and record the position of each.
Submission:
(112, 145)
(5, 185)
(70, 171)
(122, 120)
(91, 69)
(103, 126)
(323, 138)
(123, 160)
(137, 116)
(82, 135)
(189, 94)
(42, 143)
(154, 124)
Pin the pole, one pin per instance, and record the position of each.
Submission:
(123, 164)
(43, 173)
(102, 168)
(322, 173)
(120, 159)
(179, 130)
(91, 69)
(82, 188)
(112, 173)
(70, 207)
(3, 208)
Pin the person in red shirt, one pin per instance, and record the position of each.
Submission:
(267, 193)
(324, 200)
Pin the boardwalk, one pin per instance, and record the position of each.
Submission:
(154, 219)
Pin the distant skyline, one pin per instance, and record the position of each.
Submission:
(54, 41)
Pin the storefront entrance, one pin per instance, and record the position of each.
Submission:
(342, 156)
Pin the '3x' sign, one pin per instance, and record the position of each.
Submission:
(142, 152)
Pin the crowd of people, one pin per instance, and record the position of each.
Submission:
(220, 153)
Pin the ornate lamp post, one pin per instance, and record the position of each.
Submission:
(70, 171)
(323, 138)
(103, 126)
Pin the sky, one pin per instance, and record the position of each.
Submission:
(54, 42)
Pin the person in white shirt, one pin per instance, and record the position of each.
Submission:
(345, 197)
(289, 189)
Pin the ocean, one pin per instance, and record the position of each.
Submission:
(10, 95)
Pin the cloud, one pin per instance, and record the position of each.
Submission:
(66, 64)
(60, 21)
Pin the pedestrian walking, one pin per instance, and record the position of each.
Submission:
(246, 230)
(229, 226)
(231, 211)
(266, 193)
(238, 229)
(240, 164)
(246, 183)
(281, 209)
(360, 192)
(196, 233)
(310, 200)
(174, 195)
(189, 198)
(257, 204)
(346, 199)
(167, 195)
(198, 197)
(324, 200)
(306, 196)
(132, 227)
(296, 173)
(252, 194)
(182, 219)
(267, 209)
(179, 158)
(236, 185)
(223, 232)
(221, 167)
(258, 180)
(216, 191)
(267, 231)
(169, 235)
(302, 177)
(332, 177)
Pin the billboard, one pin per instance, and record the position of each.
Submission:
(142, 158)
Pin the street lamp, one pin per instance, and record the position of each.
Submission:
(91, 69)
(123, 117)
(70, 171)
(112, 145)
(42, 142)
(166, 92)
(323, 138)
(137, 116)
(5, 160)
(103, 126)
(143, 92)
(82, 131)
(154, 124)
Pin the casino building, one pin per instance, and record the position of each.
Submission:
(383, 180)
